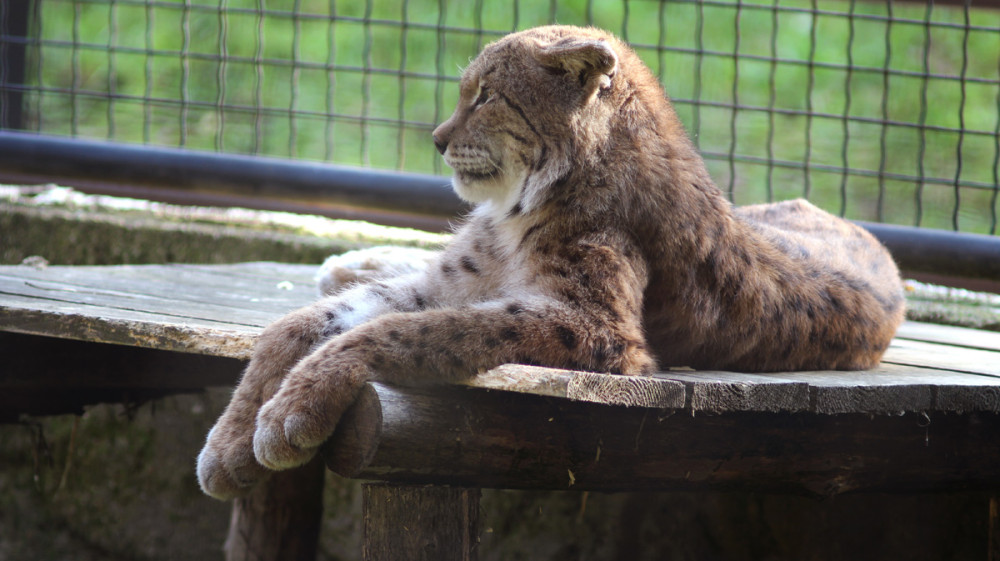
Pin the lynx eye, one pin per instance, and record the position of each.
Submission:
(483, 96)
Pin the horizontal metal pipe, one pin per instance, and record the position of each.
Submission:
(955, 254)
(192, 177)
(407, 199)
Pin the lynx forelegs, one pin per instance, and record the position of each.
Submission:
(433, 345)
(226, 466)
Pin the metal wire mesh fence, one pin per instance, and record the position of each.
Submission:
(879, 110)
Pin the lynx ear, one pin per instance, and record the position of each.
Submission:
(593, 61)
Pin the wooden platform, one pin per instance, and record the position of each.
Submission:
(928, 418)
(217, 310)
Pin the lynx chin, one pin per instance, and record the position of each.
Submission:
(598, 242)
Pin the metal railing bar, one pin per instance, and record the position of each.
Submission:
(926, 250)
(388, 197)
(256, 181)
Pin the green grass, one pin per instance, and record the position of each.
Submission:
(330, 78)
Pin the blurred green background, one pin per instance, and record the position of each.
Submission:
(884, 111)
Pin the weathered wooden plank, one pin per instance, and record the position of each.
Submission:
(420, 523)
(892, 389)
(888, 389)
(176, 283)
(177, 308)
(239, 279)
(713, 391)
(630, 391)
(152, 306)
(125, 327)
(949, 335)
(509, 440)
(946, 357)
(260, 269)
(220, 309)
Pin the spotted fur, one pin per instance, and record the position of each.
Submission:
(598, 242)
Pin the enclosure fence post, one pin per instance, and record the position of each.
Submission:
(14, 30)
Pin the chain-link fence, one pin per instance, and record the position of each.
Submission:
(879, 110)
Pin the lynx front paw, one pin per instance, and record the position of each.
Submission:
(299, 418)
(227, 469)
(288, 438)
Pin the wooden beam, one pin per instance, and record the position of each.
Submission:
(421, 523)
(478, 438)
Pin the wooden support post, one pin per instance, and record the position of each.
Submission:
(280, 519)
(994, 529)
(427, 523)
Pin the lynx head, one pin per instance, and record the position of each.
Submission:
(533, 106)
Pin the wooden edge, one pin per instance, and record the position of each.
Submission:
(472, 437)
(630, 391)
(945, 357)
(716, 392)
(949, 335)
(102, 326)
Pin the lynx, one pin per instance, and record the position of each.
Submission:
(597, 242)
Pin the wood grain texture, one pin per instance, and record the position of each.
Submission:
(214, 310)
(629, 391)
(948, 357)
(218, 310)
(993, 546)
(420, 523)
(280, 519)
(483, 438)
(731, 391)
(949, 335)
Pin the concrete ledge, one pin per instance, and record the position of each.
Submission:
(67, 227)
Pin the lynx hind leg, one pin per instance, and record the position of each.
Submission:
(227, 467)
(366, 265)
(797, 215)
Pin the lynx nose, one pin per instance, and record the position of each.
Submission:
(441, 145)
